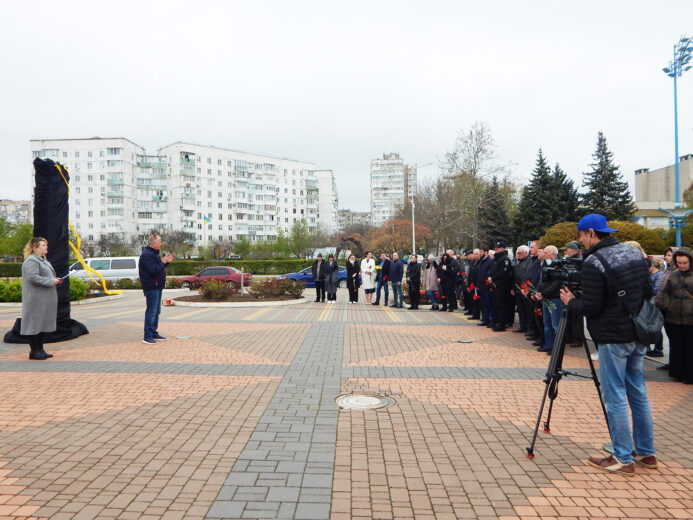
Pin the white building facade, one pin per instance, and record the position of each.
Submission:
(211, 193)
(656, 189)
(17, 211)
(391, 183)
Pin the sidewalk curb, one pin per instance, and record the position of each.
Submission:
(241, 304)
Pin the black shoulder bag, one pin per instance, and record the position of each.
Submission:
(648, 320)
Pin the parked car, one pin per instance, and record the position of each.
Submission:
(227, 274)
(306, 276)
(111, 268)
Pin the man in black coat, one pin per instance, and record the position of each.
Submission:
(501, 277)
(483, 287)
(615, 279)
(152, 270)
(522, 267)
(318, 270)
(474, 304)
(414, 281)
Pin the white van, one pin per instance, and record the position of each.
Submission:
(111, 268)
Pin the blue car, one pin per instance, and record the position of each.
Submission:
(306, 276)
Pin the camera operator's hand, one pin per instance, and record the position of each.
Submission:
(538, 296)
(566, 295)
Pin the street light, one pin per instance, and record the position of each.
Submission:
(679, 65)
(413, 232)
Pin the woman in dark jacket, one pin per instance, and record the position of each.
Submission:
(353, 270)
(677, 302)
(331, 272)
(446, 279)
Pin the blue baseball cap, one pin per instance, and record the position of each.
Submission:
(595, 221)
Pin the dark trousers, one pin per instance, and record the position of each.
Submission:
(331, 296)
(538, 320)
(414, 295)
(574, 329)
(521, 310)
(319, 290)
(450, 301)
(353, 294)
(381, 284)
(474, 306)
(529, 306)
(680, 352)
(487, 314)
(36, 342)
(500, 304)
(151, 314)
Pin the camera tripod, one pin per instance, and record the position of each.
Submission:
(555, 372)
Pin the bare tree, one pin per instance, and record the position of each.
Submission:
(470, 165)
(178, 242)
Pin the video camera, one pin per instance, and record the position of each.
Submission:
(565, 270)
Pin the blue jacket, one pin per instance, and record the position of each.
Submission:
(152, 269)
(484, 269)
(396, 271)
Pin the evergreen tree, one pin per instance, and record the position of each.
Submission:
(494, 224)
(607, 193)
(567, 193)
(540, 203)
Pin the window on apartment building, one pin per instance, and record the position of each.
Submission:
(91, 225)
(102, 177)
(88, 154)
(77, 155)
(229, 205)
(77, 189)
(103, 213)
(294, 211)
(219, 194)
(90, 213)
(209, 160)
(209, 171)
(64, 154)
(90, 189)
(101, 153)
(199, 226)
(88, 166)
(113, 151)
(90, 178)
(76, 214)
(199, 170)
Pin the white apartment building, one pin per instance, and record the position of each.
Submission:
(327, 200)
(391, 183)
(347, 218)
(17, 211)
(211, 193)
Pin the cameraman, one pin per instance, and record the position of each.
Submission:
(621, 357)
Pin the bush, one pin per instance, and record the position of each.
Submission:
(173, 283)
(13, 269)
(96, 286)
(126, 283)
(10, 290)
(276, 287)
(78, 289)
(189, 267)
(216, 290)
(650, 239)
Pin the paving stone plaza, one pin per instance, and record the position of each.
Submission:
(233, 416)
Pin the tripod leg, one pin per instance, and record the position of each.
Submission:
(597, 384)
(530, 449)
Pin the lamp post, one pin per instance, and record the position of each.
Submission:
(413, 232)
(679, 65)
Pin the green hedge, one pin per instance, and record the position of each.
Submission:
(11, 290)
(188, 267)
(12, 269)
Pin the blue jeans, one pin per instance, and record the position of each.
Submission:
(621, 372)
(377, 291)
(396, 291)
(551, 319)
(151, 315)
(432, 297)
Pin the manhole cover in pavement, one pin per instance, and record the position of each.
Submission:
(363, 401)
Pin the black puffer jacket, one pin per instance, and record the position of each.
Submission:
(607, 320)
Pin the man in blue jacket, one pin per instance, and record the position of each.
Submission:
(396, 273)
(487, 313)
(153, 279)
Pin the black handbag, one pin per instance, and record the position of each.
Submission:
(647, 320)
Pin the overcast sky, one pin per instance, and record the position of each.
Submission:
(339, 83)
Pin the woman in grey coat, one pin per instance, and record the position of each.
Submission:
(39, 296)
(331, 272)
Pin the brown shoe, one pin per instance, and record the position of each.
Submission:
(613, 465)
(646, 461)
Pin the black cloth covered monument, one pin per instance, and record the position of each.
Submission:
(51, 214)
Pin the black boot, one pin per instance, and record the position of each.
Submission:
(37, 355)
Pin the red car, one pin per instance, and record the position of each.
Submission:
(230, 275)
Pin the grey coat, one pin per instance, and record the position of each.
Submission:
(39, 296)
(331, 273)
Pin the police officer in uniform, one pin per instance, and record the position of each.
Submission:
(501, 280)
